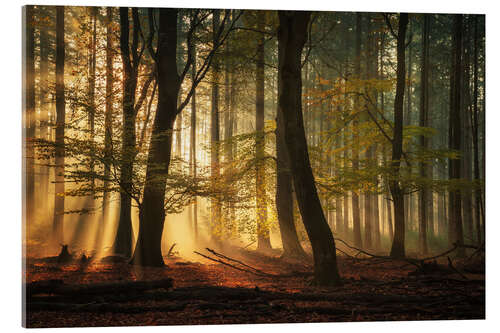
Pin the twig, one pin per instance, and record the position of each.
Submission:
(170, 250)
(249, 245)
(450, 264)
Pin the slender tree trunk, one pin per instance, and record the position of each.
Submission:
(123, 238)
(356, 220)
(424, 141)
(60, 125)
(192, 150)
(475, 140)
(108, 124)
(92, 104)
(292, 33)
(263, 240)
(466, 137)
(152, 212)
(44, 104)
(29, 121)
(398, 243)
(216, 209)
(455, 201)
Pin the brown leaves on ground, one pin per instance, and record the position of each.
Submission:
(209, 293)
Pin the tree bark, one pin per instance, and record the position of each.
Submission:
(424, 141)
(356, 220)
(192, 150)
(263, 240)
(292, 33)
(216, 209)
(479, 211)
(29, 121)
(398, 243)
(284, 192)
(152, 212)
(45, 45)
(123, 239)
(60, 126)
(455, 201)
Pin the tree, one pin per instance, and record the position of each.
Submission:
(192, 148)
(424, 141)
(292, 34)
(60, 126)
(152, 208)
(398, 243)
(216, 209)
(152, 212)
(455, 202)
(108, 123)
(30, 123)
(356, 223)
(130, 60)
(263, 240)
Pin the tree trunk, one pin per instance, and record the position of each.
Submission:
(29, 121)
(455, 201)
(475, 140)
(424, 141)
(292, 33)
(284, 192)
(152, 212)
(356, 221)
(123, 238)
(108, 125)
(192, 150)
(60, 124)
(263, 240)
(398, 243)
(216, 209)
(44, 103)
(466, 137)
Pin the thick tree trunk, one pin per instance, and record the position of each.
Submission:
(152, 212)
(292, 33)
(424, 141)
(284, 192)
(455, 201)
(60, 125)
(263, 240)
(398, 243)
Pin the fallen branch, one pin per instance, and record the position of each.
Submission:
(416, 262)
(233, 266)
(235, 260)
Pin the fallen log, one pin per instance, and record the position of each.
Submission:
(101, 308)
(58, 287)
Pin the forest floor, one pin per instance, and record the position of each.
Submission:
(278, 291)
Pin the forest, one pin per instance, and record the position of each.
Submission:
(209, 166)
